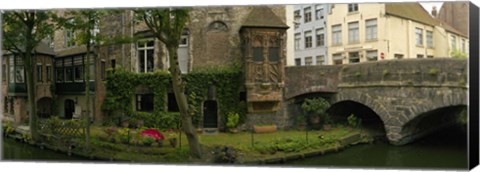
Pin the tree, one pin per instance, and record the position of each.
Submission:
(85, 24)
(167, 25)
(22, 32)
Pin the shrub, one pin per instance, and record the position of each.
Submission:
(316, 107)
(147, 140)
(164, 120)
(352, 120)
(232, 120)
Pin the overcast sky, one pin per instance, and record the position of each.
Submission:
(428, 6)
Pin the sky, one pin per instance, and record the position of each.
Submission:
(428, 6)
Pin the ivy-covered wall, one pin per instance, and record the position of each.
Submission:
(227, 80)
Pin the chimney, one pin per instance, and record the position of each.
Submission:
(434, 11)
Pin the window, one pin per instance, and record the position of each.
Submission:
(337, 59)
(463, 46)
(59, 70)
(372, 55)
(352, 7)
(308, 61)
(17, 72)
(353, 57)
(39, 73)
(78, 69)
(67, 64)
(371, 29)
(307, 13)
(102, 70)
(353, 32)
(318, 12)
(297, 41)
(48, 72)
(257, 53)
(70, 35)
(144, 102)
(145, 56)
(298, 61)
(320, 37)
(398, 56)
(183, 39)
(419, 36)
(453, 42)
(113, 63)
(430, 56)
(320, 60)
(429, 39)
(308, 39)
(419, 56)
(274, 51)
(4, 72)
(172, 103)
(296, 17)
(337, 34)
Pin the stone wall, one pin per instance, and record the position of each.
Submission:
(398, 91)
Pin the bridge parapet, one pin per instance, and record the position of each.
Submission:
(438, 72)
(444, 72)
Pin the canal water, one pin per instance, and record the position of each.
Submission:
(17, 151)
(445, 149)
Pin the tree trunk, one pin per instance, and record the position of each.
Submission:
(28, 63)
(179, 91)
(87, 92)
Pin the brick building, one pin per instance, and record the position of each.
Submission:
(212, 37)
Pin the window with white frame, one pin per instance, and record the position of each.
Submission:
(453, 42)
(398, 56)
(429, 39)
(307, 14)
(183, 39)
(337, 34)
(353, 36)
(297, 17)
(419, 56)
(70, 35)
(319, 12)
(297, 41)
(145, 50)
(352, 8)
(337, 59)
(353, 57)
(320, 36)
(308, 39)
(320, 59)
(372, 55)
(419, 36)
(463, 46)
(371, 29)
(78, 68)
(308, 61)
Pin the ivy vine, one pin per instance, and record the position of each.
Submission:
(227, 80)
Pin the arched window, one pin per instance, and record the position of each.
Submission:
(218, 26)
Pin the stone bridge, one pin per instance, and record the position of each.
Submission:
(412, 97)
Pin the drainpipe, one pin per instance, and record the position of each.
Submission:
(123, 33)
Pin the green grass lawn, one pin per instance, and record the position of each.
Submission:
(285, 142)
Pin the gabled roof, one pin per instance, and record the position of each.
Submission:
(450, 28)
(262, 16)
(411, 11)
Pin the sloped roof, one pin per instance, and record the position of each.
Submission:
(263, 16)
(411, 11)
(42, 48)
(450, 28)
(72, 51)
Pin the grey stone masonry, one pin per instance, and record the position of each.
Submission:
(410, 96)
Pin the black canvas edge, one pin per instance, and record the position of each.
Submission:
(473, 120)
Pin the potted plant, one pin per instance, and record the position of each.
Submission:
(300, 121)
(232, 122)
(125, 122)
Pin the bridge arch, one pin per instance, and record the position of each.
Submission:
(363, 99)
